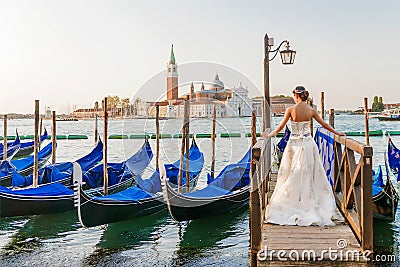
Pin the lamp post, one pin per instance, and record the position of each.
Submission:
(287, 57)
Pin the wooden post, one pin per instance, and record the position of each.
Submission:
(323, 105)
(253, 129)
(311, 121)
(157, 135)
(182, 149)
(5, 138)
(366, 120)
(40, 129)
(187, 143)
(332, 117)
(105, 185)
(36, 145)
(96, 133)
(53, 138)
(214, 115)
(255, 207)
(253, 142)
(367, 235)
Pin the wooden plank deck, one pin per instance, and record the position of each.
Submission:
(311, 244)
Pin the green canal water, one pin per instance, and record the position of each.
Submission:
(157, 240)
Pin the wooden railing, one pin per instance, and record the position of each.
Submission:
(353, 187)
(260, 166)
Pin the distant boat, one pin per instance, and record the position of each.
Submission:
(67, 119)
(389, 115)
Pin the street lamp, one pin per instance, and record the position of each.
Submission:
(287, 57)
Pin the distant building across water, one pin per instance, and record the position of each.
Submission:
(229, 102)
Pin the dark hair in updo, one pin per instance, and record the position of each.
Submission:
(302, 92)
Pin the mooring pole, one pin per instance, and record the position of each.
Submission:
(53, 137)
(323, 105)
(332, 117)
(366, 121)
(183, 145)
(40, 129)
(96, 133)
(253, 128)
(157, 135)
(310, 101)
(214, 115)
(5, 138)
(36, 145)
(105, 185)
(187, 137)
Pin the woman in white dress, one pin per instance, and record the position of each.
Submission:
(303, 195)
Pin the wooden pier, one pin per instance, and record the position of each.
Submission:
(349, 243)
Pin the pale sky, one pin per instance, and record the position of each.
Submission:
(75, 52)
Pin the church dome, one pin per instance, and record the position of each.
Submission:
(217, 84)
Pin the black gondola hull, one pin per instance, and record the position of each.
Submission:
(12, 205)
(23, 152)
(95, 212)
(184, 208)
(16, 205)
(384, 204)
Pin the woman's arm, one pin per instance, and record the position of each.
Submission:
(281, 125)
(324, 124)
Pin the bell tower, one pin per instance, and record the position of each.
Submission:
(172, 77)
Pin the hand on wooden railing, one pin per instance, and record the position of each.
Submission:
(268, 134)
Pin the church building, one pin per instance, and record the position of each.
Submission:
(229, 102)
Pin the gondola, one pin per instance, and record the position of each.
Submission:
(384, 197)
(12, 148)
(56, 197)
(393, 158)
(26, 148)
(60, 172)
(22, 166)
(196, 159)
(227, 192)
(142, 199)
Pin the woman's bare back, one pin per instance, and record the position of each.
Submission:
(301, 112)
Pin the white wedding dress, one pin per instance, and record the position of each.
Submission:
(303, 195)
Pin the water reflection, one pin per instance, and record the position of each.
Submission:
(36, 230)
(203, 235)
(386, 237)
(130, 233)
(126, 235)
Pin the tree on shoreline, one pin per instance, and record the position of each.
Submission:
(377, 105)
